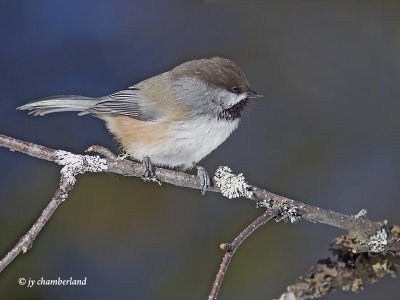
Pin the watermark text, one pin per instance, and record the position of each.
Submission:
(30, 282)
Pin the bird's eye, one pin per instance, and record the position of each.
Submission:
(236, 90)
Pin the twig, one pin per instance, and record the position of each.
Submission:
(278, 207)
(231, 248)
(73, 165)
(361, 226)
(25, 243)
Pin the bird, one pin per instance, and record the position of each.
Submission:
(173, 119)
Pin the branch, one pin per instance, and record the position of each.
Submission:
(348, 270)
(25, 243)
(367, 235)
(73, 165)
(231, 248)
(361, 226)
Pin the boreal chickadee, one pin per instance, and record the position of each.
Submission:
(172, 119)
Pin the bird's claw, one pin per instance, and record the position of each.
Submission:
(148, 174)
(205, 179)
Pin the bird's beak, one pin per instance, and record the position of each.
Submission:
(254, 94)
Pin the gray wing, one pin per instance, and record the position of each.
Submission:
(128, 102)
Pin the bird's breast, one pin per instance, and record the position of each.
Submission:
(171, 143)
(196, 138)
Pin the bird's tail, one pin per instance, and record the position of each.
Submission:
(59, 104)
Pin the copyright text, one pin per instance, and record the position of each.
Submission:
(30, 282)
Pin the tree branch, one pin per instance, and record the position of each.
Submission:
(366, 235)
(231, 248)
(25, 243)
(347, 270)
(361, 226)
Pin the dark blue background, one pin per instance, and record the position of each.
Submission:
(326, 133)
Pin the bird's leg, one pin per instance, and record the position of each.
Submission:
(148, 174)
(205, 179)
(148, 168)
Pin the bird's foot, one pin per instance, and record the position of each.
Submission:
(148, 174)
(204, 178)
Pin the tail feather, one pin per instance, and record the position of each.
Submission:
(59, 104)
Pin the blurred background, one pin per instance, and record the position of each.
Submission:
(326, 133)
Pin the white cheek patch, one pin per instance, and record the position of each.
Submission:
(229, 99)
(240, 97)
